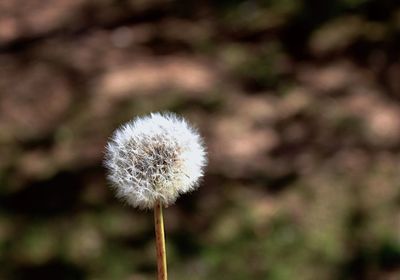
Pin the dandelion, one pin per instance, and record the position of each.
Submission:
(152, 160)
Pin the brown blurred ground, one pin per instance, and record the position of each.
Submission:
(299, 103)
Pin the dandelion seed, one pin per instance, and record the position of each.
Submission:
(151, 161)
(155, 158)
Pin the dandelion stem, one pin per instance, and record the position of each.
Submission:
(160, 242)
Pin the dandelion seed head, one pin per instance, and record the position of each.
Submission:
(156, 157)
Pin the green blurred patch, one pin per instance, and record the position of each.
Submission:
(261, 68)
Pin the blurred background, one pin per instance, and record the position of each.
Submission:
(298, 102)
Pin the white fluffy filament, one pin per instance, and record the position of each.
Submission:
(156, 157)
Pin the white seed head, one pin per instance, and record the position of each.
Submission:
(156, 157)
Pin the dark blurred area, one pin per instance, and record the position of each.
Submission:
(298, 102)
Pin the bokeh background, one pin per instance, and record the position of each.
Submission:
(298, 102)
